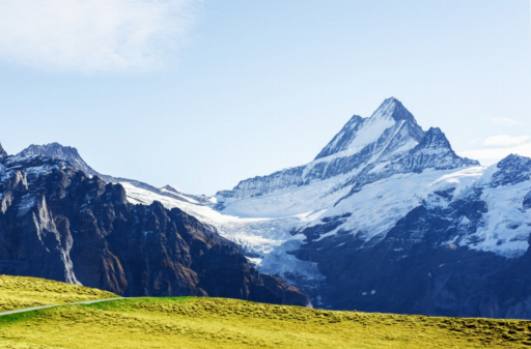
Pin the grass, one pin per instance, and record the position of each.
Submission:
(210, 323)
(24, 292)
(207, 323)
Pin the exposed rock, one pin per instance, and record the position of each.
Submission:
(60, 224)
(513, 169)
(55, 151)
(393, 220)
(388, 142)
(527, 201)
(415, 269)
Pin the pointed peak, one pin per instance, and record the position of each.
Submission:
(435, 136)
(360, 132)
(435, 151)
(436, 131)
(393, 101)
(392, 107)
(355, 119)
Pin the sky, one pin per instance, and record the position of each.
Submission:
(203, 94)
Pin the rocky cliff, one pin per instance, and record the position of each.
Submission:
(59, 223)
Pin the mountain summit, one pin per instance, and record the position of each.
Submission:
(388, 203)
(384, 203)
(360, 132)
(55, 151)
(387, 143)
(392, 107)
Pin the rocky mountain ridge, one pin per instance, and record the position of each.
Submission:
(387, 217)
(60, 223)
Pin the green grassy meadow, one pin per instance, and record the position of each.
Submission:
(210, 323)
(24, 292)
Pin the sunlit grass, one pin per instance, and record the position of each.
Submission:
(191, 323)
(23, 292)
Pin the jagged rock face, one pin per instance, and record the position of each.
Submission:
(359, 132)
(389, 218)
(386, 218)
(419, 267)
(434, 151)
(513, 169)
(54, 151)
(58, 223)
(366, 149)
(344, 138)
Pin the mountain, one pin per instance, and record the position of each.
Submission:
(366, 149)
(387, 218)
(54, 151)
(59, 222)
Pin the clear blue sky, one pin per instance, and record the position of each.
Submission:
(243, 88)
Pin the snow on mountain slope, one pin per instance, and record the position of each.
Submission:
(378, 206)
(266, 240)
(372, 174)
(389, 132)
(388, 149)
(54, 151)
(360, 132)
(363, 182)
(388, 142)
(384, 202)
(506, 226)
(259, 234)
(291, 201)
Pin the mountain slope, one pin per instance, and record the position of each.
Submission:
(386, 203)
(23, 292)
(388, 142)
(58, 223)
(221, 323)
(387, 217)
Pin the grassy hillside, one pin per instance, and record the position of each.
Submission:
(191, 323)
(22, 292)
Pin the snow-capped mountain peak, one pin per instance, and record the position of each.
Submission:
(434, 151)
(383, 201)
(390, 119)
(387, 143)
(344, 138)
(435, 138)
(392, 107)
(55, 151)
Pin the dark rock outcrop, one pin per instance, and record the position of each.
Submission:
(513, 169)
(527, 201)
(415, 269)
(58, 223)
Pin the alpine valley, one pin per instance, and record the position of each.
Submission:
(386, 218)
